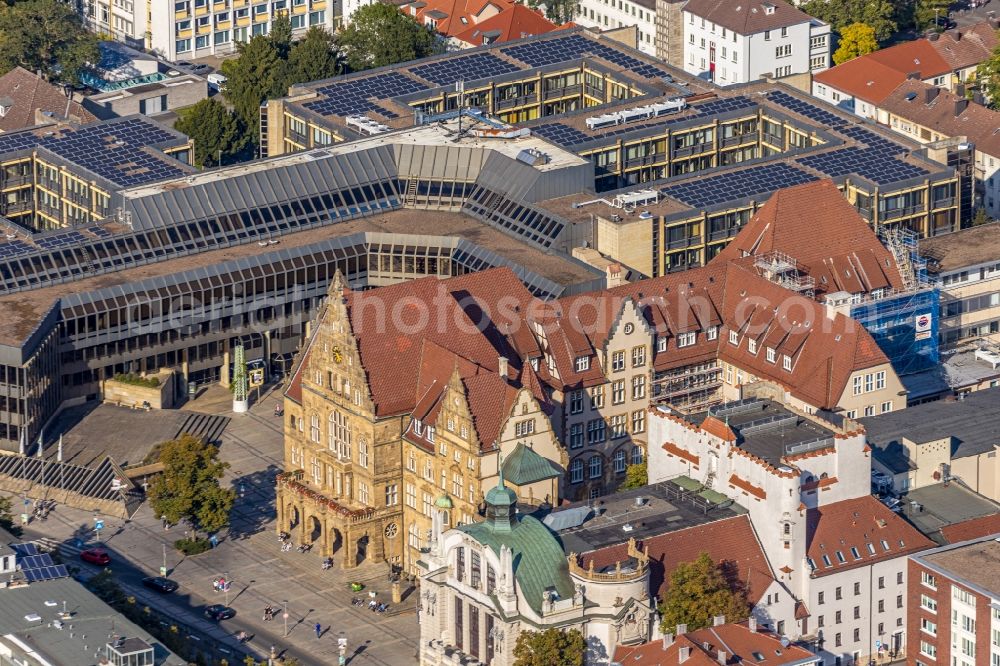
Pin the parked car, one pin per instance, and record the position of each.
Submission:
(96, 556)
(216, 81)
(200, 68)
(218, 612)
(944, 23)
(160, 584)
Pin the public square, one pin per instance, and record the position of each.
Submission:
(249, 556)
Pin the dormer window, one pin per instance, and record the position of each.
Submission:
(712, 332)
(734, 338)
(661, 343)
(768, 8)
(418, 428)
(686, 339)
(752, 346)
(786, 362)
(582, 363)
(771, 354)
(430, 434)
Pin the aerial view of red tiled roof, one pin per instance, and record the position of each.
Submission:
(966, 46)
(748, 18)
(816, 226)
(516, 22)
(855, 533)
(972, 529)
(739, 642)
(24, 93)
(731, 543)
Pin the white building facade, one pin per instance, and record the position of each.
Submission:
(613, 14)
(839, 552)
(729, 43)
(186, 29)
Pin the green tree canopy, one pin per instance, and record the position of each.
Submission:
(7, 517)
(214, 129)
(552, 647)
(856, 40)
(988, 79)
(45, 35)
(635, 477)
(313, 57)
(698, 592)
(188, 488)
(379, 34)
(925, 11)
(281, 35)
(879, 14)
(257, 74)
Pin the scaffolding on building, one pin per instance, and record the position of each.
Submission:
(902, 243)
(690, 389)
(783, 269)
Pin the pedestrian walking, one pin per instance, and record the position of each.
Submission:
(319, 630)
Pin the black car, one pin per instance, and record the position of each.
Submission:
(200, 68)
(160, 584)
(218, 612)
(944, 23)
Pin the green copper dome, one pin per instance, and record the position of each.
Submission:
(443, 502)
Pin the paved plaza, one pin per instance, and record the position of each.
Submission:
(251, 558)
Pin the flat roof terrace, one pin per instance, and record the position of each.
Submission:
(21, 312)
(976, 563)
(768, 430)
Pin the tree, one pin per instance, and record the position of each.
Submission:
(981, 217)
(635, 477)
(926, 11)
(379, 34)
(281, 35)
(214, 130)
(313, 57)
(188, 488)
(552, 647)
(7, 517)
(256, 75)
(698, 592)
(879, 14)
(856, 40)
(988, 79)
(45, 35)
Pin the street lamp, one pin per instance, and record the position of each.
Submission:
(225, 585)
(284, 615)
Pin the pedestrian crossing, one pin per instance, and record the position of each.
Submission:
(64, 548)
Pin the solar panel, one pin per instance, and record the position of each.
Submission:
(806, 109)
(573, 47)
(354, 96)
(45, 573)
(468, 68)
(24, 548)
(874, 164)
(755, 182)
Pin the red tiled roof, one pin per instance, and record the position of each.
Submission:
(864, 79)
(748, 18)
(972, 529)
(864, 524)
(815, 225)
(735, 639)
(29, 92)
(914, 57)
(515, 22)
(967, 46)
(716, 428)
(731, 543)
(745, 485)
(673, 449)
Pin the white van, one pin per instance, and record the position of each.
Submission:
(216, 81)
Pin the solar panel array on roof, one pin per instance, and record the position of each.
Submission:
(878, 166)
(806, 109)
(725, 187)
(871, 139)
(14, 248)
(24, 548)
(115, 151)
(565, 135)
(353, 96)
(9, 142)
(573, 47)
(467, 68)
(100, 232)
(38, 567)
(56, 241)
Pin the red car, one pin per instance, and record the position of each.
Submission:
(96, 556)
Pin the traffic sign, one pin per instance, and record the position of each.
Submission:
(878, 645)
(98, 524)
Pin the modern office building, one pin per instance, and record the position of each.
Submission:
(186, 29)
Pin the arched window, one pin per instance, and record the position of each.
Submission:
(576, 471)
(595, 467)
(620, 461)
(636, 455)
(314, 428)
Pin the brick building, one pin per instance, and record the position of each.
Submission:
(954, 604)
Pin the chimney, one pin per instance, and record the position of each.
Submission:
(502, 366)
(681, 630)
(723, 658)
(683, 654)
(668, 640)
(933, 36)
(718, 620)
(960, 105)
(960, 89)
(931, 94)
(752, 624)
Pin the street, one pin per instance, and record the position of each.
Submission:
(249, 557)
